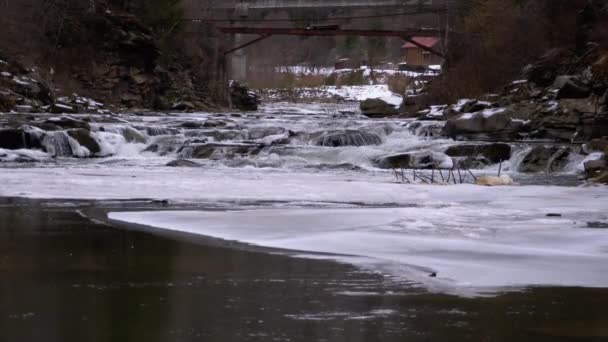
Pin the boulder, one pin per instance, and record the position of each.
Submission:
(544, 71)
(571, 87)
(375, 108)
(495, 123)
(593, 166)
(84, 138)
(495, 153)
(346, 138)
(69, 122)
(602, 178)
(183, 163)
(183, 106)
(416, 160)
(14, 139)
(242, 98)
(545, 159)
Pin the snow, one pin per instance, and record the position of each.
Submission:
(360, 93)
(22, 154)
(6, 74)
(486, 113)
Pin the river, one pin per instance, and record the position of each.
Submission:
(288, 228)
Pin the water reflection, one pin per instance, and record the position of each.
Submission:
(65, 278)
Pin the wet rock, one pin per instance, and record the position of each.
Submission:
(156, 131)
(14, 139)
(375, 108)
(593, 166)
(165, 145)
(494, 153)
(192, 124)
(84, 138)
(182, 163)
(417, 160)
(545, 159)
(346, 138)
(132, 135)
(426, 129)
(68, 122)
(218, 151)
(242, 98)
(597, 225)
(256, 133)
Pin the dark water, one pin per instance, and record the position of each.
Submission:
(65, 278)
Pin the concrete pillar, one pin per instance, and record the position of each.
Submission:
(238, 60)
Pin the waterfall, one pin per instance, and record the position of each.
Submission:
(347, 138)
(57, 144)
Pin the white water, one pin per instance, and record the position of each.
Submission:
(476, 238)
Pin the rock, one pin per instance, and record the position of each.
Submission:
(571, 87)
(503, 180)
(219, 151)
(593, 166)
(375, 108)
(545, 159)
(346, 138)
(68, 122)
(554, 215)
(132, 135)
(256, 133)
(242, 98)
(165, 145)
(495, 153)
(417, 160)
(192, 124)
(183, 105)
(597, 225)
(60, 108)
(544, 71)
(14, 139)
(601, 179)
(85, 139)
(183, 163)
(497, 123)
(8, 100)
(599, 145)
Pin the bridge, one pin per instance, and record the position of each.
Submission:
(295, 4)
(236, 17)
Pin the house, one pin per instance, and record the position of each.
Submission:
(416, 56)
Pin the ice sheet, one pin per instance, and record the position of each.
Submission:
(472, 247)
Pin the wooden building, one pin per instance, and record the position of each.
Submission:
(415, 56)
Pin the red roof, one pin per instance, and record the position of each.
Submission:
(426, 41)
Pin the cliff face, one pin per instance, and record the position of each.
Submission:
(106, 54)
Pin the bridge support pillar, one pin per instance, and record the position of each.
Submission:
(238, 61)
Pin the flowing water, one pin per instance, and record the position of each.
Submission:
(287, 226)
